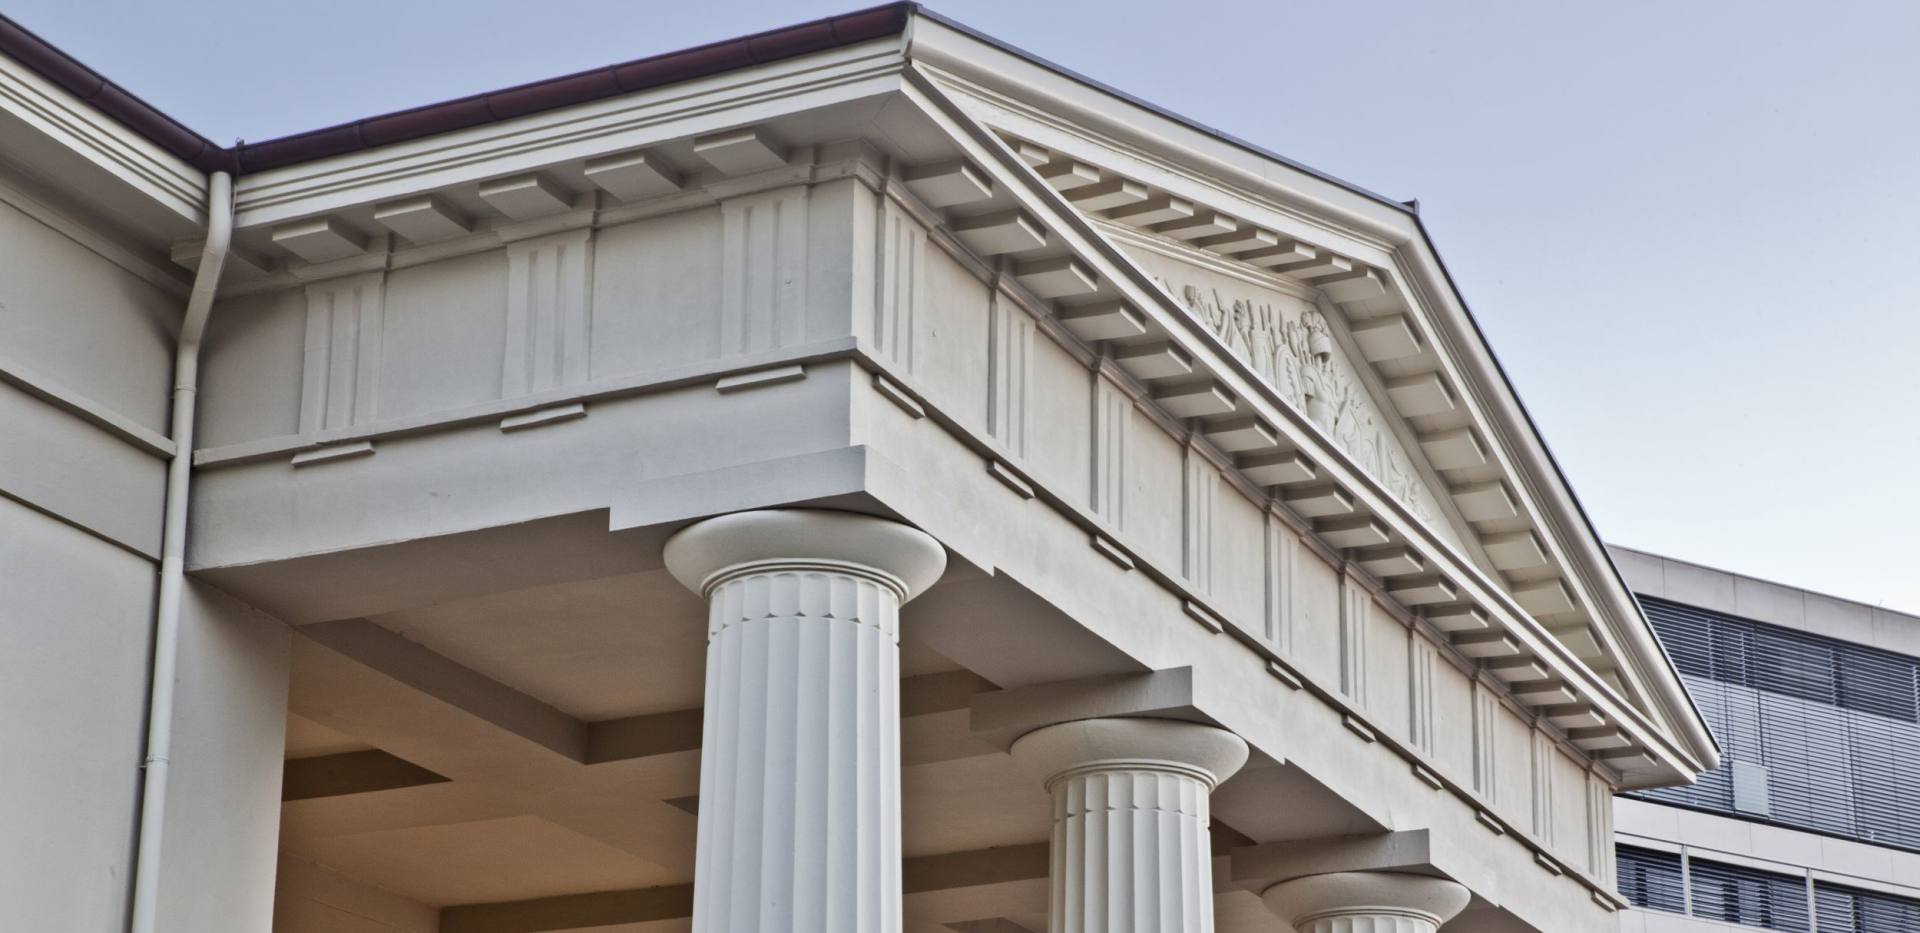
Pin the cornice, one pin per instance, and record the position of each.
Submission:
(1393, 241)
(1596, 574)
(101, 141)
(536, 141)
(1139, 290)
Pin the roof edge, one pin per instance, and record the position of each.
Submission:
(70, 74)
(773, 45)
(1406, 207)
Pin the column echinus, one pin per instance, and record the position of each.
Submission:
(1366, 902)
(1130, 850)
(799, 820)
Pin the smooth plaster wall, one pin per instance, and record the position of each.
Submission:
(222, 836)
(64, 308)
(74, 637)
(79, 523)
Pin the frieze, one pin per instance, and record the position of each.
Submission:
(1293, 349)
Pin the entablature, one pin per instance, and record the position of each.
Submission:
(1058, 223)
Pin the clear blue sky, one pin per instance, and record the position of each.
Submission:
(1688, 229)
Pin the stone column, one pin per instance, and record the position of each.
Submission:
(1366, 902)
(1130, 851)
(800, 763)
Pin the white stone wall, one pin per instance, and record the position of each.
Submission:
(86, 357)
(80, 493)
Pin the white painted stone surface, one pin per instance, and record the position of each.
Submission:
(800, 780)
(1366, 902)
(1130, 850)
(914, 375)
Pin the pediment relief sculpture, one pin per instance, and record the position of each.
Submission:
(1294, 350)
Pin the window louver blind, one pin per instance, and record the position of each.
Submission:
(1816, 733)
(1850, 910)
(1748, 896)
(1651, 879)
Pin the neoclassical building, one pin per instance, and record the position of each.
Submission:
(856, 477)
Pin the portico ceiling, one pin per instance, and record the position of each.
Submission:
(460, 755)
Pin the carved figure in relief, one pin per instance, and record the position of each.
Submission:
(1266, 349)
(1296, 357)
(1207, 312)
(1240, 328)
(1322, 389)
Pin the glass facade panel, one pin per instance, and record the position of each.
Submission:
(1651, 879)
(1748, 896)
(1815, 733)
(1850, 910)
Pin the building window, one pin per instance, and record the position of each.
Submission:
(1816, 733)
(1652, 879)
(1851, 910)
(1749, 896)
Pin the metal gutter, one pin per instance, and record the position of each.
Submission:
(581, 87)
(432, 119)
(548, 94)
(20, 44)
(173, 556)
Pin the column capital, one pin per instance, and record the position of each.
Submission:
(707, 552)
(1392, 901)
(799, 824)
(1206, 753)
(1130, 816)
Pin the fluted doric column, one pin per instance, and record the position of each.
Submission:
(1366, 902)
(799, 826)
(1130, 852)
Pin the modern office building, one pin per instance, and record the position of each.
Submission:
(1812, 819)
(856, 477)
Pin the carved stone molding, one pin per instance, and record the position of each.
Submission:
(1366, 902)
(1130, 814)
(549, 312)
(763, 289)
(341, 360)
(1295, 352)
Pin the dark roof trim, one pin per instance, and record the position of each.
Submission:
(476, 110)
(582, 87)
(1407, 207)
(553, 93)
(109, 98)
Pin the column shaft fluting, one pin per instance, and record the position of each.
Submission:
(1130, 852)
(1367, 902)
(1130, 846)
(800, 777)
(799, 813)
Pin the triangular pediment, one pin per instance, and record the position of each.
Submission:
(1328, 303)
(1306, 356)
